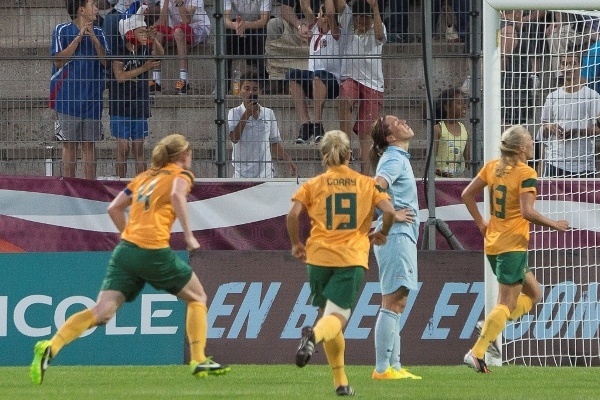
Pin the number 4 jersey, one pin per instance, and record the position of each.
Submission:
(507, 229)
(340, 205)
(151, 214)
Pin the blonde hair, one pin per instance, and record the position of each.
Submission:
(335, 148)
(169, 149)
(511, 143)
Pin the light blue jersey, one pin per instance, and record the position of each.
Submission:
(394, 166)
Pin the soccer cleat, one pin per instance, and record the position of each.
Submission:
(477, 364)
(41, 360)
(154, 86)
(344, 390)
(388, 374)
(306, 347)
(208, 367)
(493, 349)
(181, 87)
(404, 374)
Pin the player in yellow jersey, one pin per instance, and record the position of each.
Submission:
(512, 187)
(340, 205)
(156, 198)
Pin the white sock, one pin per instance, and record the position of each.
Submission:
(183, 74)
(156, 76)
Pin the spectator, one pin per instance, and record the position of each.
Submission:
(451, 138)
(321, 80)
(121, 9)
(78, 51)
(186, 23)
(362, 72)
(590, 64)
(254, 133)
(245, 23)
(129, 90)
(569, 124)
(288, 36)
(398, 22)
(455, 12)
(517, 100)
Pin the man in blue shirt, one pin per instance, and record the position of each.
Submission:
(78, 50)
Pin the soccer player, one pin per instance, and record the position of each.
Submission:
(340, 204)
(155, 197)
(512, 187)
(397, 258)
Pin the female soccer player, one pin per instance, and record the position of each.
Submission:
(397, 258)
(340, 205)
(155, 197)
(512, 186)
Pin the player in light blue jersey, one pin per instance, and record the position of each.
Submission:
(397, 259)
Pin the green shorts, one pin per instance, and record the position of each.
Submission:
(510, 267)
(130, 267)
(340, 285)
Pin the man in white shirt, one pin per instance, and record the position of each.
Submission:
(255, 135)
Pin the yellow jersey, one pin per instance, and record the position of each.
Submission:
(507, 229)
(151, 214)
(340, 204)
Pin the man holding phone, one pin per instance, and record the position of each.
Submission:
(255, 135)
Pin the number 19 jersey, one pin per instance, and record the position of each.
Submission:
(507, 230)
(340, 205)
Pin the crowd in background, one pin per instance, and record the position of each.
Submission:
(556, 50)
(343, 43)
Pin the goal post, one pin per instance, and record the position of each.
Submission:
(525, 87)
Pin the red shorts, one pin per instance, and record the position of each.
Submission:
(369, 108)
(168, 32)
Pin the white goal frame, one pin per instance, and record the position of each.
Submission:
(492, 116)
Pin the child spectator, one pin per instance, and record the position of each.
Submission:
(187, 25)
(245, 24)
(78, 51)
(321, 81)
(254, 133)
(451, 137)
(129, 91)
(569, 124)
(362, 72)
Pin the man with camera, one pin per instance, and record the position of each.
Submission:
(255, 135)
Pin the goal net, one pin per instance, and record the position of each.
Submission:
(549, 62)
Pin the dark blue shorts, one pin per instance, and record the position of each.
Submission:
(305, 78)
(127, 128)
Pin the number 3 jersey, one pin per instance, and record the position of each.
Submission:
(507, 229)
(340, 205)
(151, 214)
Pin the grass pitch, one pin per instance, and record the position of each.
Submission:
(282, 382)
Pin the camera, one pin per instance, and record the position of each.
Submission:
(253, 98)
